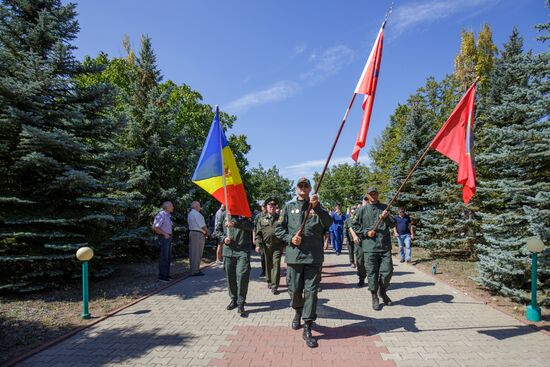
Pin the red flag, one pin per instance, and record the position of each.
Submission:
(367, 86)
(455, 140)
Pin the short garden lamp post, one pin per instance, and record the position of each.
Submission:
(534, 246)
(85, 254)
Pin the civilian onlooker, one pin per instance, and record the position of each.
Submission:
(337, 229)
(162, 226)
(197, 235)
(404, 232)
(220, 217)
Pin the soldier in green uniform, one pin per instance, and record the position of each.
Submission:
(376, 245)
(271, 246)
(236, 235)
(349, 239)
(355, 248)
(304, 254)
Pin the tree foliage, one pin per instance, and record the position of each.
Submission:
(343, 184)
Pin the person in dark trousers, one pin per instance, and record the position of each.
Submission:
(349, 238)
(268, 244)
(262, 257)
(162, 226)
(304, 254)
(337, 229)
(404, 232)
(236, 235)
(376, 244)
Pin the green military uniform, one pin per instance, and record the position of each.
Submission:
(349, 240)
(236, 255)
(262, 254)
(271, 246)
(303, 261)
(377, 250)
(356, 255)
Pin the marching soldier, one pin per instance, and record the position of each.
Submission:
(349, 239)
(355, 249)
(376, 245)
(236, 235)
(304, 254)
(269, 244)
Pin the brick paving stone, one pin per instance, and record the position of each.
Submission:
(430, 324)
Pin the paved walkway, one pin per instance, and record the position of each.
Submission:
(431, 324)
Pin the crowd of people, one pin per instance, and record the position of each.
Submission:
(301, 230)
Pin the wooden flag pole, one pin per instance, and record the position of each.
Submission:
(318, 184)
(411, 171)
(394, 198)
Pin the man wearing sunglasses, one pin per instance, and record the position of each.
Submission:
(304, 254)
(376, 245)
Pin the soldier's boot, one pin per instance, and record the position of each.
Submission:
(375, 301)
(240, 310)
(232, 305)
(384, 295)
(296, 320)
(361, 283)
(308, 337)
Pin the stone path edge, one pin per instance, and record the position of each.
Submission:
(67, 335)
(525, 322)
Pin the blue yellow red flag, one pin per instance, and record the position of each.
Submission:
(216, 161)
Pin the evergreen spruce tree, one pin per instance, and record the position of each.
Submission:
(55, 151)
(447, 227)
(514, 171)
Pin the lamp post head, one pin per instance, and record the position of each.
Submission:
(84, 254)
(535, 244)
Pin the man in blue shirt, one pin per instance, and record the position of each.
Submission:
(404, 233)
(162, 225)
(337, 229)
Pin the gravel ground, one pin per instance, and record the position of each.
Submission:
(27, 321)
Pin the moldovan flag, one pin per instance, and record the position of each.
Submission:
(367, 86)
(455, 140)
(217, 161)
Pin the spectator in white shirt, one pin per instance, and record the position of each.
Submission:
(197, 235)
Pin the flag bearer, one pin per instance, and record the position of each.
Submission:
(236, 235)
(304, 254)
(376, 245)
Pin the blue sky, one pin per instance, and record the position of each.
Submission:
(287, 69)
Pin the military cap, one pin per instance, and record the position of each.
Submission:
(372, 189)
(271, 199)
(303, 180)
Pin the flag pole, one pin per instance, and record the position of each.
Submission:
(407, 178)
(318, 184)
(223, 167)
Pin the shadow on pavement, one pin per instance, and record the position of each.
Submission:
(407, 285)
(138, 312)
(422, 300)
(368, 327)
(398, 273)
(508, 332)
(268, 306)
(127, 343)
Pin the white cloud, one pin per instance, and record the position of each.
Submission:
(409, 16)
(308, 168)
(328, 63)
(277, 92)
